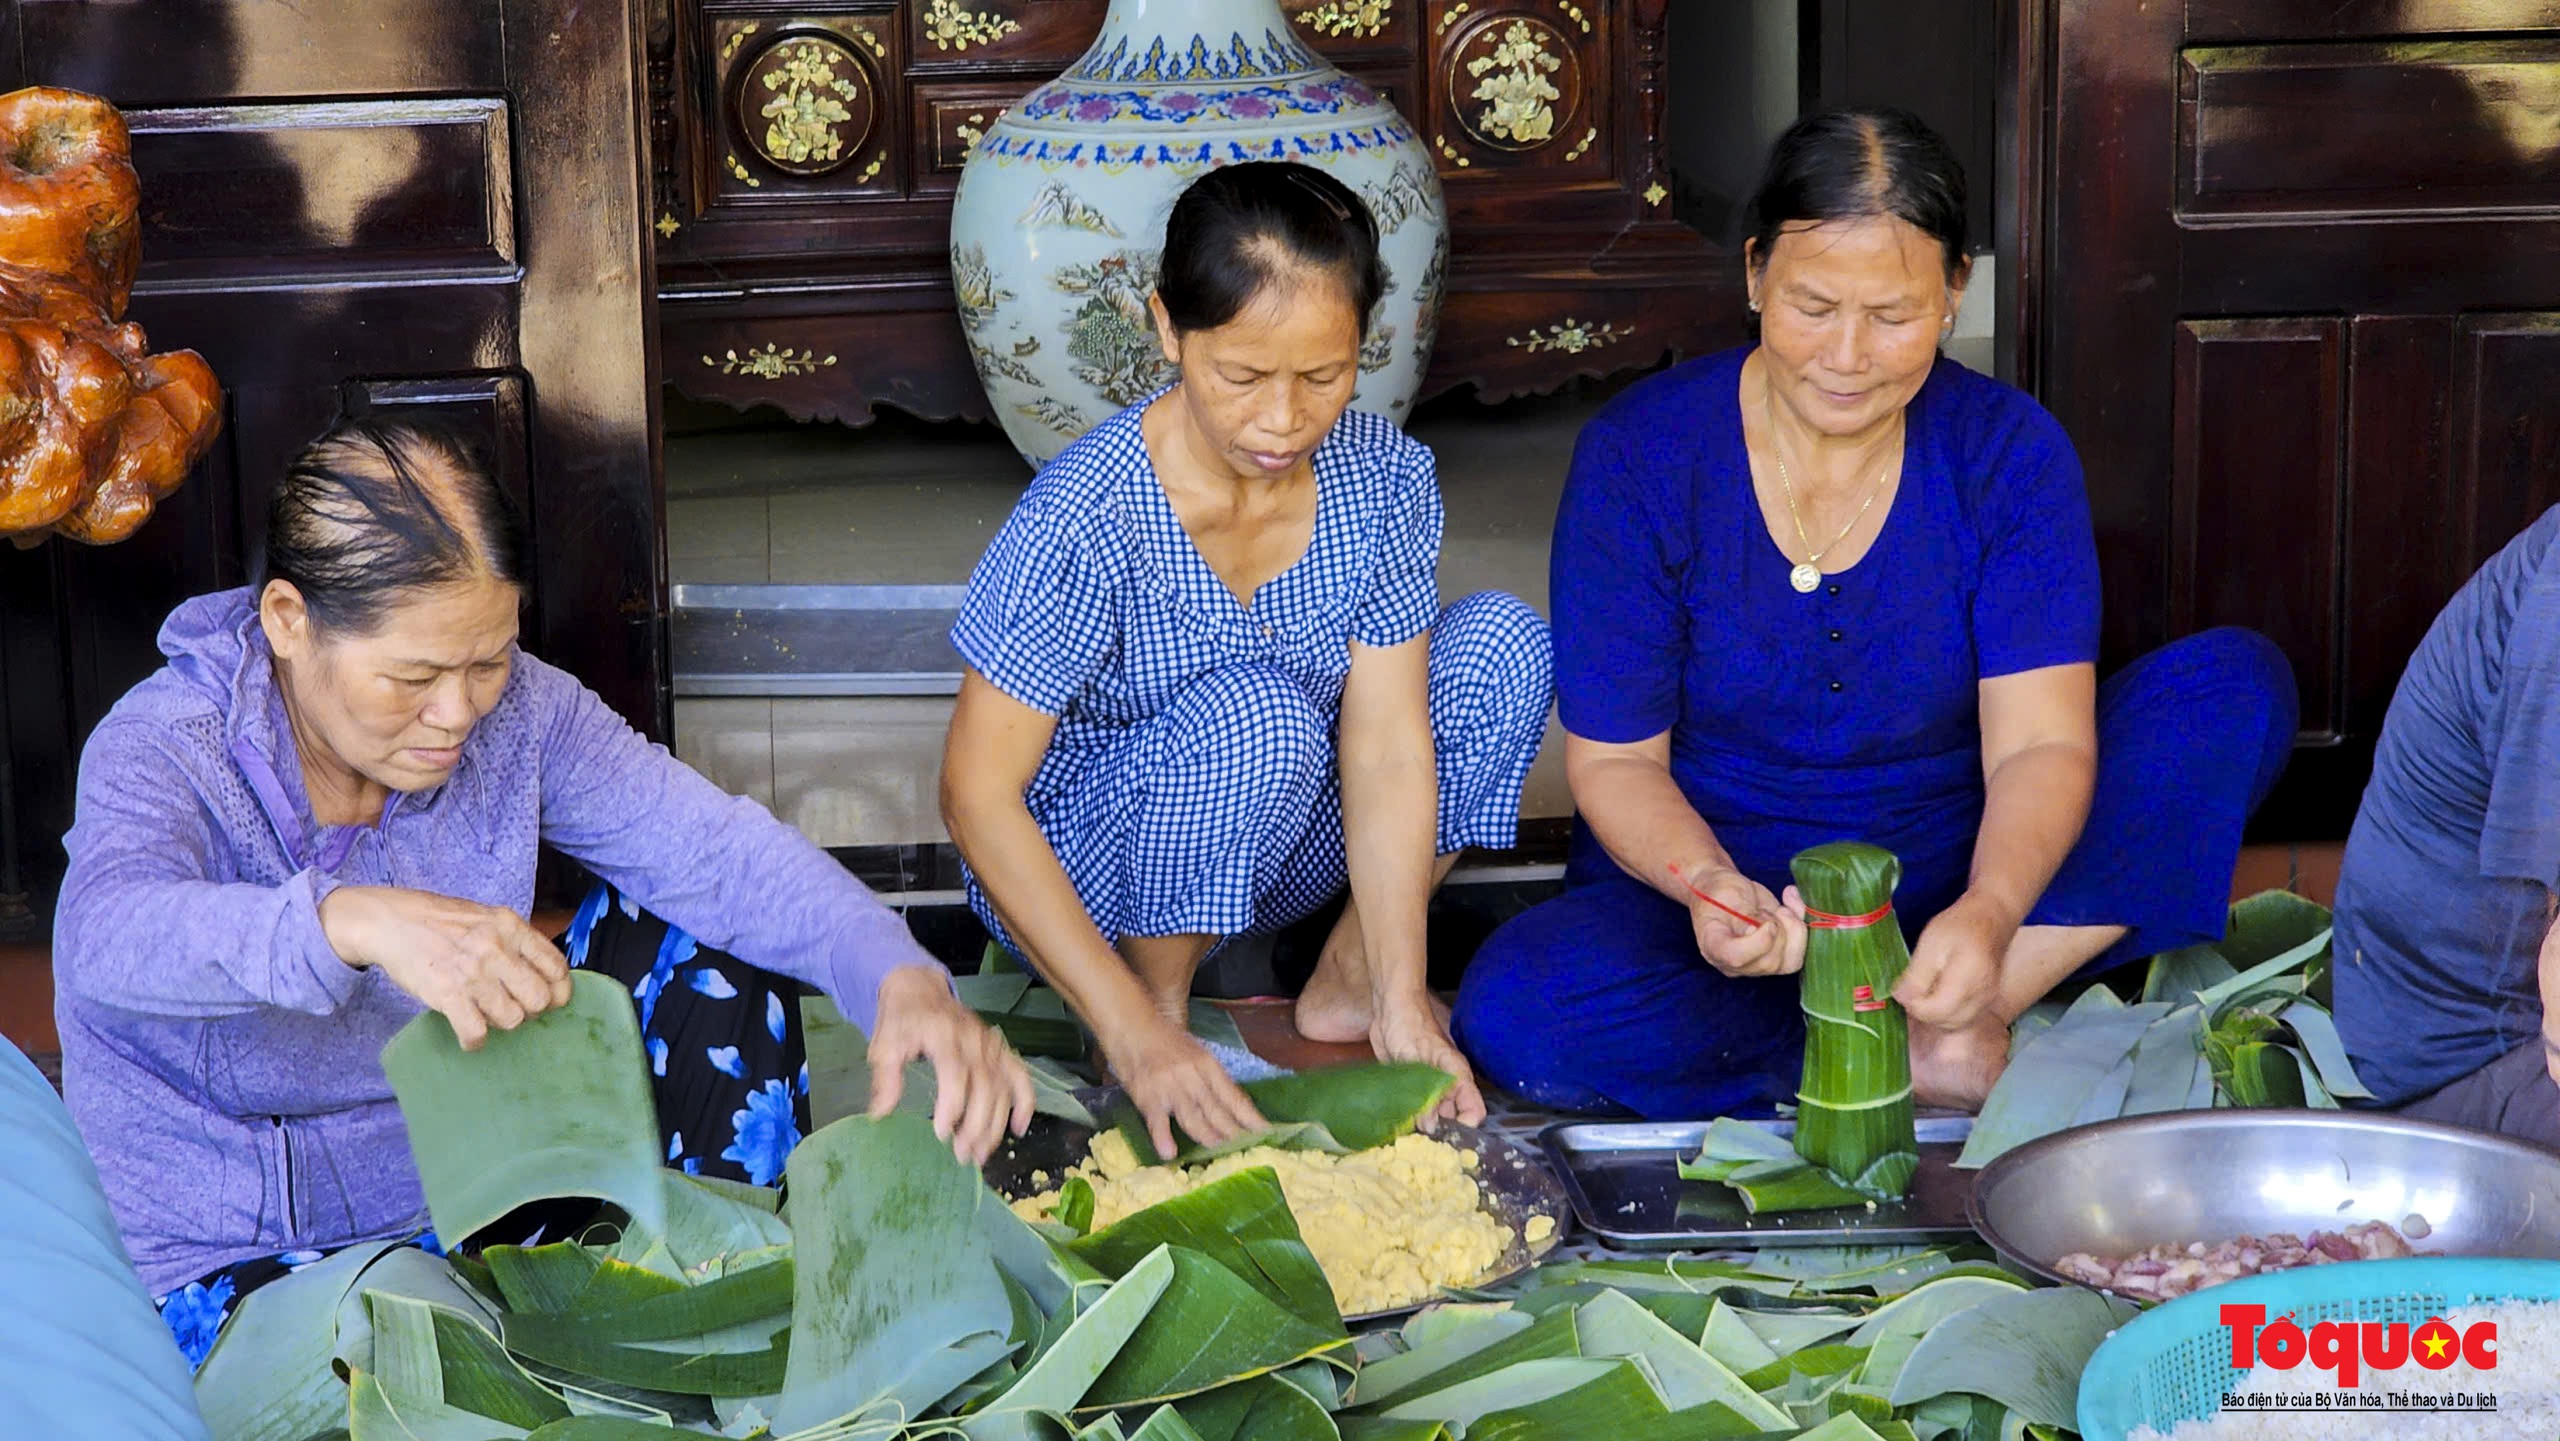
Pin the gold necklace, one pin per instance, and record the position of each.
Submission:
(1807, 575)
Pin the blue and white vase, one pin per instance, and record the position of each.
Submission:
(1060, 217)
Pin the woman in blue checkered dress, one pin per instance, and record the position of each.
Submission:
(1210, 678)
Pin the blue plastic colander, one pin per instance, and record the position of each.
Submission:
(2173, 1363)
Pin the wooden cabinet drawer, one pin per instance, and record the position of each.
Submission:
(948, 121)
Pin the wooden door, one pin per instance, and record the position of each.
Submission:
(2290, 276)
(433, 205)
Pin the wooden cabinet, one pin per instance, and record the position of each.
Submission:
(806, 158)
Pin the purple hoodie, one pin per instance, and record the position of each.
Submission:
(223, 1063)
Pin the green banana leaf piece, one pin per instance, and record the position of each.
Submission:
(1437, 1349)
(1523, 1384)
(1612, 1324)
(558, 1107)
(1770, 1177)
(2050, 1080)
(1353, 1108)
(1056, 1382)
(2024, 1351)
(2319, 1035)
(2178, 976)
(268, 1377)
(2269, 924)
(1242, 1223)
(1552, 1336)
(1266, 1408)
(1209, 1329)
(373, 1415)
(894, 1300)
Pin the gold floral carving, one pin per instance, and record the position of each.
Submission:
(667, 226)
(808, 105)
(1574, 13)
(739, 170)
(1571, 337)
(771, 363)
(950, 26)
(1512, 82)
(1349, 17)
(1654, 194)
(1449, 152)
(1452, 16)
(1582, 147)
(737, 38)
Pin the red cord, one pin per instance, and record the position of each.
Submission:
(1825, 921)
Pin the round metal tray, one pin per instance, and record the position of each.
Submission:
(1514, 1184)
(2181, 1177)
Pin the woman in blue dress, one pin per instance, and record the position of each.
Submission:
(1210, 677)
(1834, 585)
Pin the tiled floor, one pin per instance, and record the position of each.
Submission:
(906, 504)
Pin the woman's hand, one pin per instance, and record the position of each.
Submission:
(1173, 1081)
(1955, 970)
(1774, 947)
(1415, 1030)
(981, 1089)
(483, 968)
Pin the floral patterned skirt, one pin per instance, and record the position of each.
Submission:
(731, 1076)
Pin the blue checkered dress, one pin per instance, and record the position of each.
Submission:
(1190, 788)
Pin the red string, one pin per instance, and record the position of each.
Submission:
(1825, 921)
(1710, 900)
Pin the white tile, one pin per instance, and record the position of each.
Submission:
(729, 740)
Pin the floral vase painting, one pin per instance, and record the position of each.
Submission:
(1060, 217)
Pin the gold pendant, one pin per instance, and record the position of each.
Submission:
(1805, 578)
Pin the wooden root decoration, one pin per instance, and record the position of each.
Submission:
(94, 429)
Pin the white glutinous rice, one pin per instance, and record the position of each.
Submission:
(2525, 1383)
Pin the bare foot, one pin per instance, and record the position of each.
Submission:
(1335, 1007)
(1958, 1068)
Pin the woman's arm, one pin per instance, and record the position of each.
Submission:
(1390, 832)
(1625, 793)
(143, 927)
(2039, 766)
(995, 747)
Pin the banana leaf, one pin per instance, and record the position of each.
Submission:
(1333, 1108)
(2319, 1035)
(1520, 1385)
(558, 1107)
(893, 1301)
(423, 1353)
(1770, 1176)
(269, 1377)
(2179, 976)
(1892, 1334)
(1614, 1325)
(2270, 924)
(1552, 1336)
(1855, 1110)
(1436, 1350)
(839, 1059)
(1242, 1223)
(2164, 1063)
(1619, 1401)
(1052, 1385)
(374, 1416)
(2024, 1351)
(1733, 1343)
(1266, 1408)
(2048, 1082)
(1209, 1329)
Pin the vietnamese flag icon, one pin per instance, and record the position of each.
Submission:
(2435, 1345)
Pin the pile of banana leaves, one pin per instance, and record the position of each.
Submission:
(2243, 1021)
(894, 1296)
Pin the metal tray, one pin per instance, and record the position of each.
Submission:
(1623, 1178)
(1515, 1184)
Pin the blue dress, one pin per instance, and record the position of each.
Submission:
(1190, 787)
(1849, 713)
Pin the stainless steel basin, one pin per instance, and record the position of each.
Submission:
(2119, 1186)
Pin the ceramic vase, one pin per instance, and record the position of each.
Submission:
(1060, 216)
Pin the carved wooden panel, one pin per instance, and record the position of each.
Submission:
(2257, 536)
(973, 35)
(950, 119)
(807, 109)
(2369, 129)
(1517, 83)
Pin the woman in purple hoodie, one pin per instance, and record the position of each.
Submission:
(322, 817)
